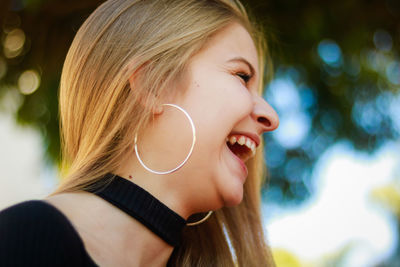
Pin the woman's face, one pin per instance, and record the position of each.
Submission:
(222, 99)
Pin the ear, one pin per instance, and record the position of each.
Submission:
(157, 109)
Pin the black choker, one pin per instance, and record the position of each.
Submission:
(141, 205)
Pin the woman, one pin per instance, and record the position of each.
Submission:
(161, 119)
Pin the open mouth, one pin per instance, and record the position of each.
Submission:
(242, 146)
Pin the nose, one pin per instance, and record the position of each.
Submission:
(265, 116)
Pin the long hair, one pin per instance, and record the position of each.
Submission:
(99, 112)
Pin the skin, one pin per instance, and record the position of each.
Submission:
(220, 100)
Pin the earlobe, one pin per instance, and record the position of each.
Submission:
(157, 109)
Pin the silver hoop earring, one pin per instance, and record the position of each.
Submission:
(187, 157)
(200, 221)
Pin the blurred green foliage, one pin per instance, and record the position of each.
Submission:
(343, 59)
(337, 75)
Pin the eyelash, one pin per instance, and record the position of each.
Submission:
(244, 76)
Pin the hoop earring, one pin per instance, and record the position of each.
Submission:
(200, 221)
(190, 151)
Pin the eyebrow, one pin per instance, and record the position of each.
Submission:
(243, 60)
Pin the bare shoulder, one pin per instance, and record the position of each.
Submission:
(85, 210)
(77, 207)
(72, 204)
(89, 215)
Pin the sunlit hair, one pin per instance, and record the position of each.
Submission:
(153, 40)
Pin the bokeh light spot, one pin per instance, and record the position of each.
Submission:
(11, 100)
(393, 73)
(28, 82)
(13, 43)
(292, 130)
(366, 116)
(283, 95)
(330, 52)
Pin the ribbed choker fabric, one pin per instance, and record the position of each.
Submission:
(141, 205)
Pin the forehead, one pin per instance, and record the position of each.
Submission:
(234, 41)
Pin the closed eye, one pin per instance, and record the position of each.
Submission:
(244, 76)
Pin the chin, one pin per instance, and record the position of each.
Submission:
(233, 197)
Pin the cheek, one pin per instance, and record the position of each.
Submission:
(234, 101)
(237, 105)
(219, 116)
(216, 110)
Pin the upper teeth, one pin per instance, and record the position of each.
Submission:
(243, 140)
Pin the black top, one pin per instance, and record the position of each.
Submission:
(35, 233)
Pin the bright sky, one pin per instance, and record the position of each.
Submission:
(341, 212)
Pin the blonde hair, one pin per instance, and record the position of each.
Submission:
(99, 112)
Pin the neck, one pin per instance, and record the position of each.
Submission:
(168, 189)
(142, 245)
(144, 207)
(132, 238)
